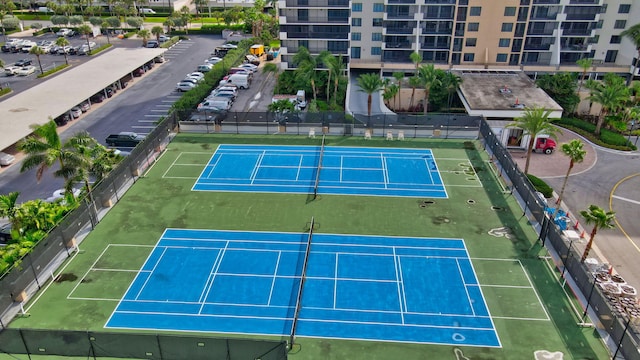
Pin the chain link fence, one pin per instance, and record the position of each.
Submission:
(622, 327)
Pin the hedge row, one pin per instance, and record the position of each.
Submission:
(541, 186)
(608, 138)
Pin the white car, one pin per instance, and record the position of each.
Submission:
(196, 75)
(204, 68)
(64, 32)
(12, 70)
(6, 159)
(60, 194)
(248, 66)
(163, 38)
(213, 60)
(26, 71)
(185, 86)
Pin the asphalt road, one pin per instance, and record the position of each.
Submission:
(136, 108)
(613, 183)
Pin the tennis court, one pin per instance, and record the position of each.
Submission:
(381, 288)
(323, 170)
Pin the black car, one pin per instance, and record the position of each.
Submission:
(62, 119)
(5, 234)
(24, 62)
(6, 48)
(97, 98)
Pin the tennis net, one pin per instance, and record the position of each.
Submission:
(303, 278)
(315, 186)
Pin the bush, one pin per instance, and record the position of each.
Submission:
(5, 91)
(541, 186)
(217, 28)
(99, 49)
(608, 138)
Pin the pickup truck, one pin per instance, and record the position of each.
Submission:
(124, 139)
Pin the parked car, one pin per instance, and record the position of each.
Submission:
(238, 70)
(5, 48)
(27, 46)
(64, 49)
(204, 68)
(124, 139)
(75, 112)
(26, 71)
(216, 116)
(110, 91)
(158, 59)
(248, 66)
(6, 159)
(5, 234)
(213, 60)
(163, 38)
(74, 50)
(97, 98)
(185, 86)
(64, 32)
(196, 75)
(214, 104)
(139, 71)
(190, 80)
(62, 120)
(12, 70)
(24, 62)
(85, 106)
(61, 193)
(252, 59)
(222, 96)
(84, 48)
(152, 44)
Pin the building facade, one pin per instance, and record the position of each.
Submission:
(534, 35)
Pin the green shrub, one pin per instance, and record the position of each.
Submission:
(5, 91)
(54, 70)
(608, 138)
(541, 186)
(217, 28)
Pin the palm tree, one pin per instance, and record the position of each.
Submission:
(574, 150)
(416, 59)
(37, 51)
(338, 68)
(169, 23)
(157, 31)
(633, 34)
(414, 82)
(43, 149)
(610, 96)
(534, 122)
(399, 76)
(451, 82)
(429, 78)
(326, 57)
(306, 64)
(86, 30)
(600, 220)
(389, 93)
(144, 35)
(8, 207)
(105, 25)
(62, 41)
(585, 64)
(370, 83)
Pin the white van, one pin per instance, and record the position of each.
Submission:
(214, 104)
(240, 80)
(147, 11)
(44, 9)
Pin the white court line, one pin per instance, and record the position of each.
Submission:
(341, 168)
(180, 177)
(275, 276)
(206, 284)
(299, 168)
(215, 272)
(385, 174)
(41, 292)
(335, 282)
(91, 299)
(116, 270)
(150, 273)
(534, 290)
(256, 167)
(170, 166)
(87, 273)
(466, 290)
(399, 283)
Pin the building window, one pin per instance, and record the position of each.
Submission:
(376, 50)
(355, 53)
(473, 26)
(469, 57)
(603, 8)
(303, 14)
(599, 24)
(525, 2)
(356, 22)
(303, 43)
(501, 58)
(624, 9)
(615, 39)
(356, 36)
(378, 7)
(377, 22)
(356, 7)
(471, 42)
(504, 42)
(376, 37)
(510, 11)
(475, 11)
(507, 27)
(620, 24)
(611, 56)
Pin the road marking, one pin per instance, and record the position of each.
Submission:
(160, 110)
(153, 115)
(625, 199)
(147, 121)
(143, 127)
(611, 196)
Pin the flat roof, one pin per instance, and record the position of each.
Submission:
(57, 95)
(506, 94)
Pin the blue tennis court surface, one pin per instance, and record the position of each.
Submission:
(378, 288)
(344, 171)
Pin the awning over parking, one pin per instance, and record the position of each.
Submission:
(57, 95)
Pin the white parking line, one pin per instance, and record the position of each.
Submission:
(143, 127)
(154, 115)
(161, 110)
(147, 121)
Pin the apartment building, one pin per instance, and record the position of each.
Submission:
(535, 35)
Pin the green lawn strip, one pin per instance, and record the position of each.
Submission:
(505, 265)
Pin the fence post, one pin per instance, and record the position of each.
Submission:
(626, 327)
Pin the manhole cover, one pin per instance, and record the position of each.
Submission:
(471, 201)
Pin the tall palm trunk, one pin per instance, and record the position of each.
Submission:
(564, 184)
(313, 87)
(587, 248)
(328, 86)
(413, 94)
(529, 150)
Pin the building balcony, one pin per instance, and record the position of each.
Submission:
(435, 46)
(314, 4)
(575, 47)
(409, 30)
(317, 35)
(579, 32)
(399, 2)
(581, 17)
(398, 46)
(413, 16)
(312, 20)
(537, 47)
(440, 30)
